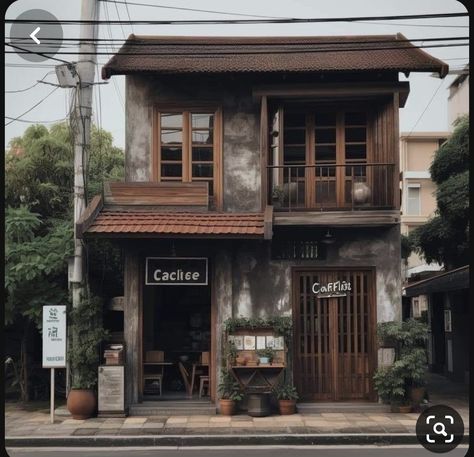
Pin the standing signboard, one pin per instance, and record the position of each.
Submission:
(54, 342)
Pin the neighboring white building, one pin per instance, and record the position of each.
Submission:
(458, 99)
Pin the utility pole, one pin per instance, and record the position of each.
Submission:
(85, 69)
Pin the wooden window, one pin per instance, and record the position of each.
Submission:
(334, 144)
(187, 148)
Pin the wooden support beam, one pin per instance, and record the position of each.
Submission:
(268, 222)
(88, 216)
(263, 151)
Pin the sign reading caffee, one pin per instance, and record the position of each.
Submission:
(176, 271)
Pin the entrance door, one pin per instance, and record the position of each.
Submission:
(334, 349)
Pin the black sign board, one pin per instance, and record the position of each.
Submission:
(176, 271)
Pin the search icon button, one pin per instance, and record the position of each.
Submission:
(440, 429)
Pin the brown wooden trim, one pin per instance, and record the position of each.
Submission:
(338, 218)
(186, 174)
(268, 222)
(340, 157)
(334, 90)
(167, 193)
(396, 149)
(213, 358)
(263, 152)
(89, 215)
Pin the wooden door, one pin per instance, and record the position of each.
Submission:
(334, 346)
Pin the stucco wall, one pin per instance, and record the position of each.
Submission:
(262, 287)
(241, 156)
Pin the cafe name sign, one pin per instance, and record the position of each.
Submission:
(176, 271)
(332, 289)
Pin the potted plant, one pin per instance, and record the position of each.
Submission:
(232, 353)
(286, 395)
(278, 196)
(416, 366)
(390, 385)
(266, 355)
(230, 393)
(87, 334)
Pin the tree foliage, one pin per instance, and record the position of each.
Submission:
(445, 238)
(39, 182)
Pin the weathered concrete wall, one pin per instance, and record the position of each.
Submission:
(241, 156)
(262, 287)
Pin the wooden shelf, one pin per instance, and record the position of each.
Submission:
(275, 365)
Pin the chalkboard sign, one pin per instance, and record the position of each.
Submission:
(176, 271)
(111, 390)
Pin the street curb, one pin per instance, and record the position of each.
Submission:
(214, 440)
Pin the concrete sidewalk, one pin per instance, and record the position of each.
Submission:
(31, 427)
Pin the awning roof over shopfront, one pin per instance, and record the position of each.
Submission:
(450, 280)
(110, 222)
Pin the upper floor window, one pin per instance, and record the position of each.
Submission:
(413, 200)
(188, 147)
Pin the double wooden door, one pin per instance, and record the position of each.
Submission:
(334, 338)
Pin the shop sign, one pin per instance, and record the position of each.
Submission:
(54, 336)
(176, 271)
(332, 289)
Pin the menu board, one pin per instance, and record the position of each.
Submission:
(111, 389)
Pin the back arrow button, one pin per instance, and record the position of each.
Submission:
(33, 35)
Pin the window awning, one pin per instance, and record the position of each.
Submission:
(115, 222)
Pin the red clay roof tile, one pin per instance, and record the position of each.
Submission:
(178, 223)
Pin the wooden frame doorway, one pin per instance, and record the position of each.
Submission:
(334, 337)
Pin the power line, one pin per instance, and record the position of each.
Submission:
(229, 13)
(255, 51)
(128, 14)
(118, 17)
(36, 122)
(28, 88)
(241, 21)
(33, 107)
(426, 107)
(106, 41)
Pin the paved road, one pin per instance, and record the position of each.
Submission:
(315, 451)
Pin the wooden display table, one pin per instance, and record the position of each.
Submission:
(269, 376)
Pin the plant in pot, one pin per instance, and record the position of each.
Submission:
(232, 353)
(390, 385)
(286, 395)
(230, 393)
(416, 367)
(266, 355)
(87, 334)
(278, 196)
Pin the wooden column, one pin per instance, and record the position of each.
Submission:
(263, 151)
(132, 326)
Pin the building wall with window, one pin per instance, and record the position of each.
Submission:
(418, 202)
(458, 99)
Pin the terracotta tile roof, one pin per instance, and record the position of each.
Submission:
(171, 54)
(120, 223)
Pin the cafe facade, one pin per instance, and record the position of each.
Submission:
(261, 180)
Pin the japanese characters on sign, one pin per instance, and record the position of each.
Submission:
(54, 336)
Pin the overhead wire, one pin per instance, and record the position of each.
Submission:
(30, 87)
(32, 108)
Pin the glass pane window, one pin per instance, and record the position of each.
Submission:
(202, 137)
(171, 170)
(171, 120)
(202, 120)
(202, 154)
(413, 201)
(168, 153)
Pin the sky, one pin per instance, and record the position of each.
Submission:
(425, 110)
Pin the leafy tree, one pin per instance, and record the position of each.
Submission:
(445, 238)
(39, 222)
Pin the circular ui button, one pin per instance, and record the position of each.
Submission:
(439, 428)
(34, 40)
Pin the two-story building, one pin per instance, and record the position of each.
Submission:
(262, 179)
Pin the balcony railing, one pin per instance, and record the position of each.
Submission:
(331, 187)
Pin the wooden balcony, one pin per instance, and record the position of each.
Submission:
(355, 194)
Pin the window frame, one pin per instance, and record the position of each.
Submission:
(309, 110)
(413, 186)
(186, 173)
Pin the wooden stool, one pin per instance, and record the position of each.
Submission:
(203, 382)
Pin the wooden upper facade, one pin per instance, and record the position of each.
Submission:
(320, 145)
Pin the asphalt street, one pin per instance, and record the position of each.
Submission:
(264, 451)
